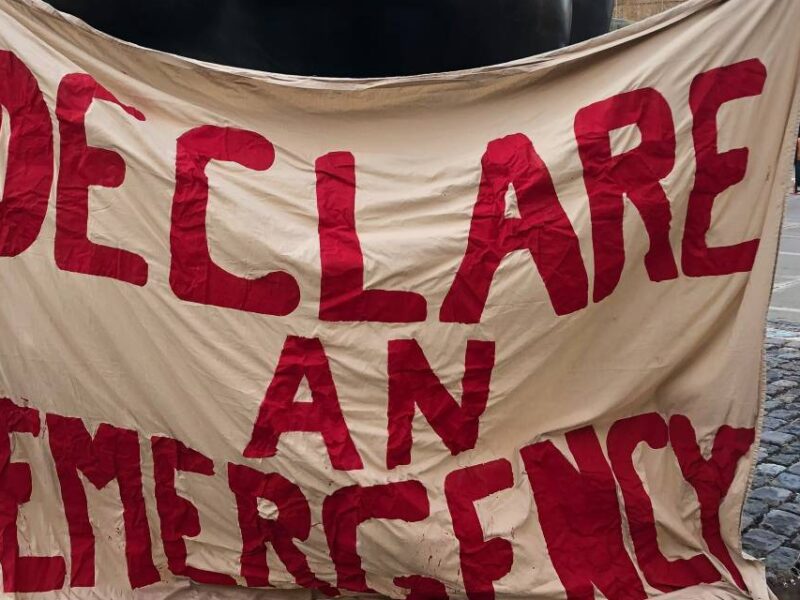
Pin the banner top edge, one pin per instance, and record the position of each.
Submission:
(526, 64)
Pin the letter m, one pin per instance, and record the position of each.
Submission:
(112, 454)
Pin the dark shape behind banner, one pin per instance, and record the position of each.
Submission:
(348, 38)
(590, 18)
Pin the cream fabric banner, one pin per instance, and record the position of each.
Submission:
(485, 334)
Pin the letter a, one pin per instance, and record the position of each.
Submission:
(279, 413)
(543, 229)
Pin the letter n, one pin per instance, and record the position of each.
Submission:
(413, 382)
(580, 518)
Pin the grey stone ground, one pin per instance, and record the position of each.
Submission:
(771, 521)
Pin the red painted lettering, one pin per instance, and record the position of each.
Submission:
(29, 166)
(82, 166)
(179, 517)
(711, 478)
(716, 172)
(636, 174)
(663, 574)
(279, 413)
(342, 293)
(347, 508)
(193, 275)
(413, 382)
(293, 522)
(580, 518)
(422, 588)
(21, 573)
(112, 454)
(482, 561)
(543, 229)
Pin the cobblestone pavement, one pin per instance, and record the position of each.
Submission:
(771, 521)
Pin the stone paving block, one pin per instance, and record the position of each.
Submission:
(781, 522)
(792, 507)
(782, 414)
(784, 401)
(755, 507)
(747, 522)
(771, 469)
(785, 384)
(772, 496)
(784, 459)
(776, 438)
(771, 517)
(782, 559)
(771, 424)
(765, 473)
(788, 481)
(760, 542)
(771, 450)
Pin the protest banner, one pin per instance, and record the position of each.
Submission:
(486, 334)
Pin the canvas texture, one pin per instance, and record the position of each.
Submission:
(486, 334)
